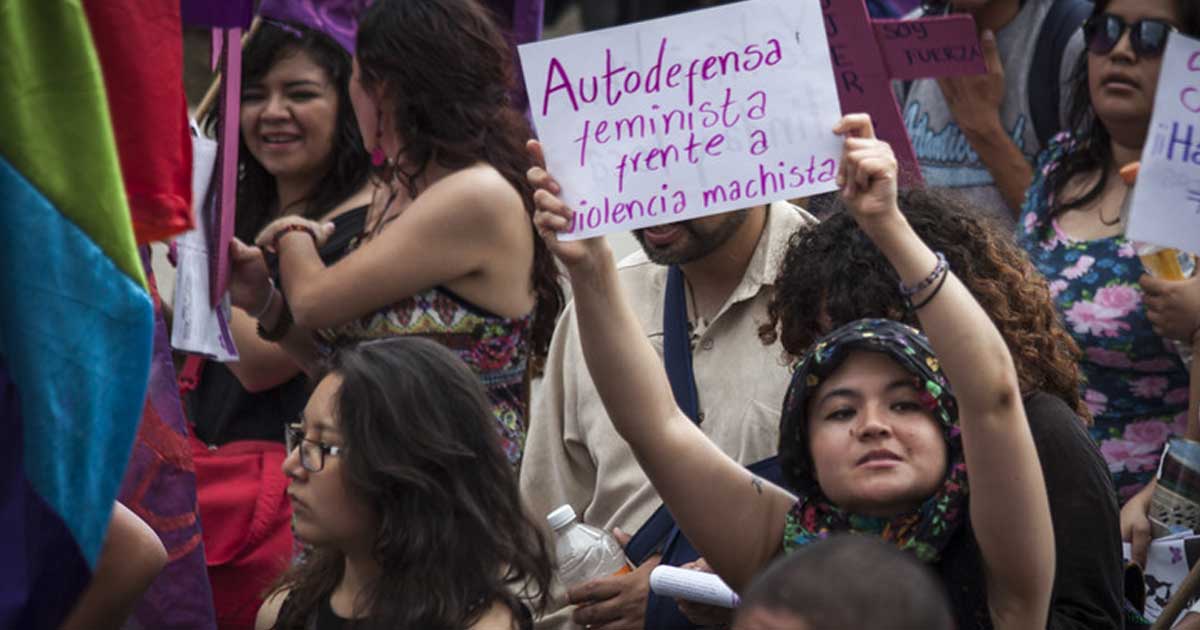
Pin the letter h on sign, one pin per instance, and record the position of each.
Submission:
(868, 54)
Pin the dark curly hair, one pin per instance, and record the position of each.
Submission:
(349, 171)
(833, 274)
(423, 453)
(449, 70)
(1093, 153)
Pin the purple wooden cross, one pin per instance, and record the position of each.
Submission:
(868, 55)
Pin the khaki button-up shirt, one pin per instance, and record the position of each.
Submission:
(573, 455)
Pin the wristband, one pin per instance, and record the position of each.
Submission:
(938, 269)
(294, 227)
(937, 289)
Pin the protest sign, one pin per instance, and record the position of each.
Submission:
(687, 116)
(1166, 201)
(868, 54)
(929, 48)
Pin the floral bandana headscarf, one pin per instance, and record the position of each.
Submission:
(924, 531)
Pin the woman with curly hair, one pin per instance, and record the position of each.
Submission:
(833, 274)
(1071, 225)
(400, 486)
(448, 251)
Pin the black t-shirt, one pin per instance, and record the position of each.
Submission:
(222, 411)
(1088, 584)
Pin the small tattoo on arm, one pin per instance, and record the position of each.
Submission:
(757, 483)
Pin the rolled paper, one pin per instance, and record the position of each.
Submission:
(692, 586)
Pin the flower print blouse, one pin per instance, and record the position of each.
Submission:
(1135, 384)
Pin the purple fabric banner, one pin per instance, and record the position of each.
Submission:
(336, 18)
(522, 23)
(217, 13)
(160, 487)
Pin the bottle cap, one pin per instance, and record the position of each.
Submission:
(562, 515)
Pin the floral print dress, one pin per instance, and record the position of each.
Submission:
(1135, 384)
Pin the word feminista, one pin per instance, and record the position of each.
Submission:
(618, 81)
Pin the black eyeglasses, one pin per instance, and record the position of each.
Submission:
(312, 454)
(1148, 38)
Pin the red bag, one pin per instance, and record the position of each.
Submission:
(246, 520)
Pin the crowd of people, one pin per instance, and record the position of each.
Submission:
(936, 407)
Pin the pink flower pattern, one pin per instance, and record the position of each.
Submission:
(1149, 387)
(1080, 267)
(1107, 358)
(1136, 387)
(1057, 286)
(1093, 319)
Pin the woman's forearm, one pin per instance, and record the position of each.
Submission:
(1009, 506)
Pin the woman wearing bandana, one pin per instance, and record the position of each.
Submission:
(884, 432)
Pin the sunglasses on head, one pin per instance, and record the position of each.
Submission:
(1148, 38)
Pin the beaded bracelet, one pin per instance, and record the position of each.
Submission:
(932, 294)
(940, 268)
(294, 227)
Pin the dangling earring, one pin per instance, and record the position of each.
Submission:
(378, 157)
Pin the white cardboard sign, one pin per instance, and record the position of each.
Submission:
(1166, 201)
(687, 116)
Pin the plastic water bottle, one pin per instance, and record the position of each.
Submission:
(584, 552)
(1161, 262)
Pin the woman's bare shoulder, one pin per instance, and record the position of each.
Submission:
(498, 617)
(268, 613)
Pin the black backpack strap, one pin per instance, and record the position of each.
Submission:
(1044, 89)
(677, 345)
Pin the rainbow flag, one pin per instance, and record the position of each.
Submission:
(75, 315)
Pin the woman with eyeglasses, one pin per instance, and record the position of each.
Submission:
(400, 485)
(1071, 225)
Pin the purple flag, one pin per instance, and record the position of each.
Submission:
(160, 487)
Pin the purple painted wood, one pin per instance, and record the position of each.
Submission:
(217, 13)
(864, 78)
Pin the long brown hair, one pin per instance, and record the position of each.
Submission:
(447, 67)
(349, 168)
(833, 274)
(421, 450)
(1093, 153)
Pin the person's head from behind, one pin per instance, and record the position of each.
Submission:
(846, 582)
(431, 86)
(398, 466)
(297, 126)
(832, 274)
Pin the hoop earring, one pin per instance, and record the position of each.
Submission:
(378, 157)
